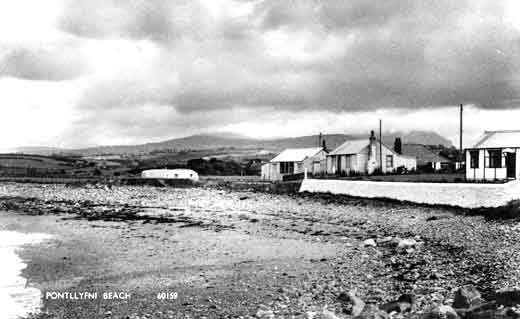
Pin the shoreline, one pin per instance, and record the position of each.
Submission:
(17, 295)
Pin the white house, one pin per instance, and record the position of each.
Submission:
(425, 157)
(364, 157)
(494, 156)
(294, 161)
(171, 174)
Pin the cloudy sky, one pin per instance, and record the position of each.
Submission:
(77, 73)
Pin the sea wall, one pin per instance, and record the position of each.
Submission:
(467, 195)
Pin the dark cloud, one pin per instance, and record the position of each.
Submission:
(159, 20)
(355, 14)
(386, 54)
(46, 64)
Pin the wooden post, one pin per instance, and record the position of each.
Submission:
(381, 145)
(460, 135)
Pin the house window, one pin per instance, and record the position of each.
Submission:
(495, 158)
(473, 159)
(389, 161)
(286, 167)
(349, 162)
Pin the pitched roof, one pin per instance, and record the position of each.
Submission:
(422, 154)
(351, 147)
(296, 154)
(499, 139)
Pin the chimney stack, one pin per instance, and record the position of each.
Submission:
(372, 154)
(398, 145)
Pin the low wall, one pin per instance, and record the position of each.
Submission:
(454, 194)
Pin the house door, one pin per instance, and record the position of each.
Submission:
(511, 165)
(338, 169)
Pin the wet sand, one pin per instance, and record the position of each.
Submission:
(211, 273)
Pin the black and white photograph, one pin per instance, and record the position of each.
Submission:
(259, 159)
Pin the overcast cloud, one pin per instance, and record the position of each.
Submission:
(139, 70)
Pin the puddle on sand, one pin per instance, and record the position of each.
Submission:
(16, 299)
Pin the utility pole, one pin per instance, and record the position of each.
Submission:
(319, 140)
(461, 157)
(381, 145)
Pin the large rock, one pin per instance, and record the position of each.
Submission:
(508, 297)
(352, 304)
(488, 310)
(489, 314)
(441, 312)
(372, 312)
(403, 304)
(466, 297)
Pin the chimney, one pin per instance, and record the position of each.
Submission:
(372, 154)
(324, 145)
(398, 145)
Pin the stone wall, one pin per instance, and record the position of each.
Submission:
(465, 195)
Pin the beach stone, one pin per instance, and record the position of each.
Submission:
(487, 314)
(441, 312)
(466, 296)
(508, 297)
(370, 242)
(352, 304)
(483, 310)
(372, 312)
(385, 239)
(264, 312)
(406, 244)
(403, 304)
(325, 314)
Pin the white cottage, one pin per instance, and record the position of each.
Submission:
(178, 173)
(494, 156)
(425, 157)
(364, 157)
(294, 161)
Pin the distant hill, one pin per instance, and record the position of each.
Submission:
(426, 138)
(40, 150)
(222, 140)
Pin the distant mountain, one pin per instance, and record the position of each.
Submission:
(426, 138)
(41, 150)
(220, 140)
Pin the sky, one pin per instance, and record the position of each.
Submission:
(77, 73)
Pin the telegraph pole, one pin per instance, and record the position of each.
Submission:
(381, 145)
(460, 135)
